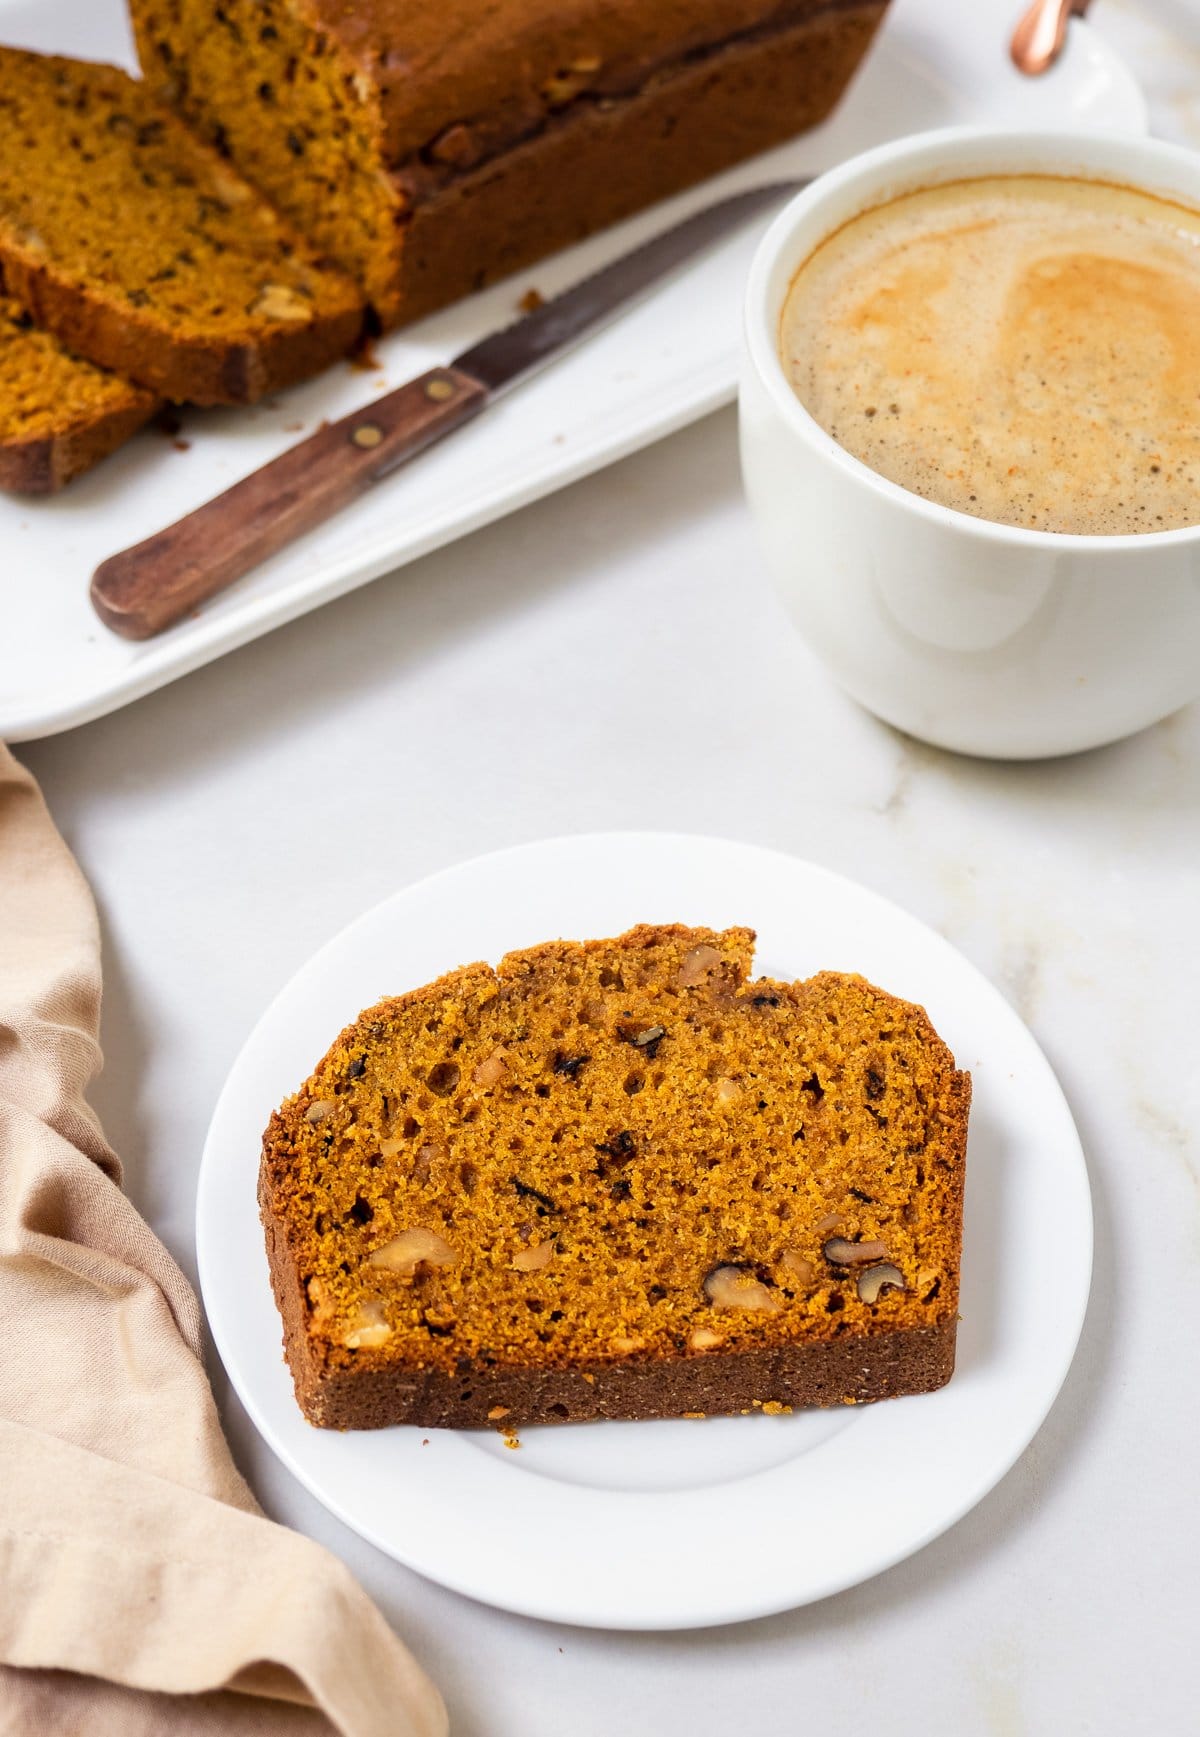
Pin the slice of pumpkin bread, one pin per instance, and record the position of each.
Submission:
(618, 1179)
(58, 415)
(140, 248)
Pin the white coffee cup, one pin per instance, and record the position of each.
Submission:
(985, 638)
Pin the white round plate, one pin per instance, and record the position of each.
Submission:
(677, 1524)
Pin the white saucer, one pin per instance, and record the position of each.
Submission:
(675, 1525)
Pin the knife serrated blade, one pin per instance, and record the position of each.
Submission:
(507, 356)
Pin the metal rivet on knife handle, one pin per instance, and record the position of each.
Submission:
(439, 389)
(367, 434)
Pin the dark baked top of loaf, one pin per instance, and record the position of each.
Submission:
(46, 393)
(617, 1150)
(110, 192)
(502, 67)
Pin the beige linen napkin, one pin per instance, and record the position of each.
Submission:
(141, 1588)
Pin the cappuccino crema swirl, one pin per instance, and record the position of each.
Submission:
(1024, 348)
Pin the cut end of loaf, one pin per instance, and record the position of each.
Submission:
(279, 95)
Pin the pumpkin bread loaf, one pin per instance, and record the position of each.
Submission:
(58, 415)
(618, 1179)
(140, 248)
(431, 149)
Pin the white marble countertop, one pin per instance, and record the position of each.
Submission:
(615, 658)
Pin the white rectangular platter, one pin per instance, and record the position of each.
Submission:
(668, 361)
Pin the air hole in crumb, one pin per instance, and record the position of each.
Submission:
(411, 1128)
(541, 1091)
(535, 1304)
(468, 1175)
(611, 979)
(833, 1303)
(442, 1078)
(634, 1083)
(560, 1411)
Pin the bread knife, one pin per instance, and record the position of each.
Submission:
(152, 585)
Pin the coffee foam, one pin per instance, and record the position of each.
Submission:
(1022, 348)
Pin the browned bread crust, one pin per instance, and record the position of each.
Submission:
(428, 173)
(140, 249)
(618, 1179)
(58, 415)
(596, 165)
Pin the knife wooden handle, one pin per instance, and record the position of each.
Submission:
(147, 588)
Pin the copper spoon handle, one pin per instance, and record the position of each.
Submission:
(1038, 39)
